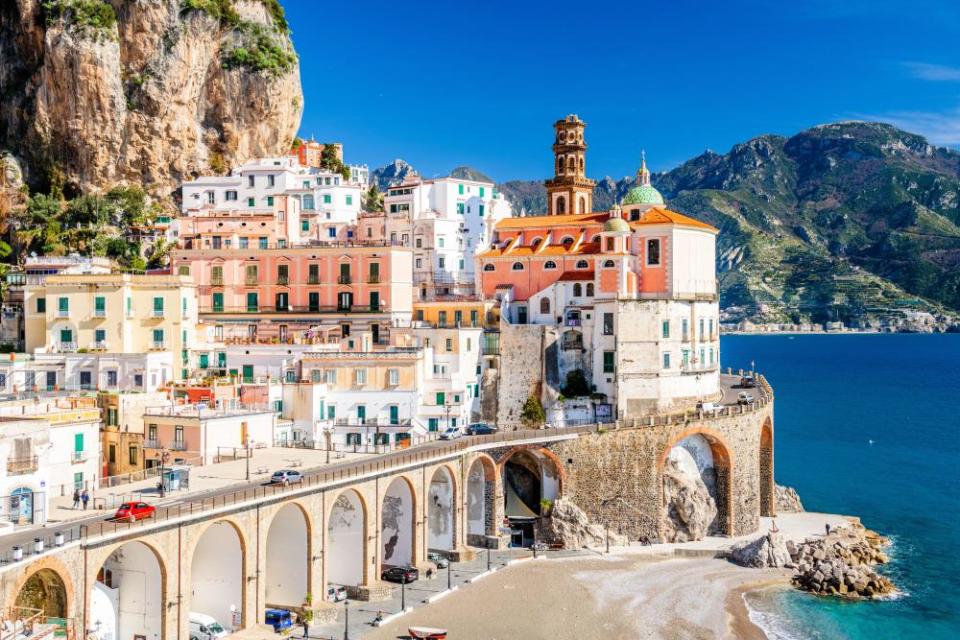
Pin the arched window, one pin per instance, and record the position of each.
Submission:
(583, 205)
(488, 267)
(590, 289)
(561, 205)
(582, 264)
(517, 266)
(567, 241)
(544, 305)
(595, 238)
(559, 164)
(608, 264)
(536, 242)
(577, 290)
(549, 264)
(581, 164)
(572, 164)
(634, 214)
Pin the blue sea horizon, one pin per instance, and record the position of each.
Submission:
(867, 425)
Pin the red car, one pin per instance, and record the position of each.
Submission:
(133, 511)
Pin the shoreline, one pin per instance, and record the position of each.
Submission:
(742, 624)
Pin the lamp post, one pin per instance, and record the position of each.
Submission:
(403, 595)
(346, 620)
(488, 558)
(449, 569)
(328, 435)
(246, 444)
(163, 455)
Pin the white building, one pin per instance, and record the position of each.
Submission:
(198, 434)
(45, 372)
(451, 388)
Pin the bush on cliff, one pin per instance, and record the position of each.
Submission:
(532, 414)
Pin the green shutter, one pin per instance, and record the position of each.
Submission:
(204, 360)
(441, 397)
(158, 304)
(63, 304)
(218, 302)
(100, 304)
(78, 442)
(41, 305)
(253, 304)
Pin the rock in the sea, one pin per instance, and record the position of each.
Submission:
(788, 501)
(689, 508)
(769, 550)
(569, 526)
(842, 563)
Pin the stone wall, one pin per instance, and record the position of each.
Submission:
(616, 476)
(521, 370)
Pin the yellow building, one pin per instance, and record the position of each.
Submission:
(111, 313)
(456, 313)
(122, 433)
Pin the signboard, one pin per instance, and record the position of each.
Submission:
(604, 412)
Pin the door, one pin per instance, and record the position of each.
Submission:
(248, 373)
(375, 333)
(374, 301)
(51, 380)
(361, 413)
(253, 304)
(21, 505)
(394, 414)
(218, 302)
(521, 315)
(283, 334)
(345, 301)
(314, 301)
(85, 380)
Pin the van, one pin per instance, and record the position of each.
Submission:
(279, 619)
(204, 627)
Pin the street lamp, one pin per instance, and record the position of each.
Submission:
(403, 595)
(163, 455)
(346, 620)
(328, 435)
(247, 445)
(449, 569)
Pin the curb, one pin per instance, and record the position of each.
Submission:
(442, 594)
(481, 576)
(393, 616)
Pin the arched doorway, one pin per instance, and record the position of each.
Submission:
(481, 489)
(126, 600)
(440, 511)
(217, 573)
(396, 524)
(767, 493)
(695, 489)
(531, 482)
(288, 558)
(346, 540)
(46, 591)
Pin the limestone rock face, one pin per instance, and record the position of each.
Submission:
(766, 551)
(689, 509)
(146, 99)
(788, 501)
(568, 525)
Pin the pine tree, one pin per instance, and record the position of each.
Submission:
(532, 414)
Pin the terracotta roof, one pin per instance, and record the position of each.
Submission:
(653, 215)
(576, 275)
(660, 215)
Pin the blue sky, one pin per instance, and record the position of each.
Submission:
(441, 84)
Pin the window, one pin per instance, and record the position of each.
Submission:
(489, 267)
(653, 252)
(41, 305)
(608, 324)
(609, 264)
(700, 331)
(460, 189)
(440, 242)
(218, 302)
(330, 376)
(544, 305)
(178, 434)
(666, 329)
(393, 377)
(231, 196)
(609, 244)
(327, 198)
(666, 360)
(460, 208)
(269, 201)
(271, 180)
(449, 344)
(133, 455)
(331, 412)
(419, 243)
(590, 289)
(211, 197)
(264, 243)
(577, 289)
(158, 307)
(608, 362)
(361, 376)
(517, 266)
(419, 263)
(349, 200)
(158, 337)
(457, 318)
(283, 273)
(183, 270)
(251, 181)
(442, 262)
(441, 398)
(253, 303)
(216, 275)
(582, 264)
(549, 264)
(63, 306)
(251, 202)
(112, 454)
(480, 209)
(244, 243)
(282, 300)
(100, 336)
(99, 306)
(474, 317)
(685, 327)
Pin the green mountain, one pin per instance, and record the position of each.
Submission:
(851, 221)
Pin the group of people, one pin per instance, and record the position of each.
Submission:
(79, 497)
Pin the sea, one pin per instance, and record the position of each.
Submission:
(868, 425)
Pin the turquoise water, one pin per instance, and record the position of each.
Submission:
(834, 394)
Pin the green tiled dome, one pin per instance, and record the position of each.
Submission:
(617, 225)
(644, 194)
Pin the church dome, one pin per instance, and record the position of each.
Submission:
(616, 225)
(644, 194)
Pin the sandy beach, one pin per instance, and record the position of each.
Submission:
(624, 596)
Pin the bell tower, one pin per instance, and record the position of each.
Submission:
(569, 191)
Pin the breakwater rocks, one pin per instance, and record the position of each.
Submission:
(839, 564)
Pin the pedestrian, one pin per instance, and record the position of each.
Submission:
(306, 629)
(827, 526)
(76, 499)
(86, 498)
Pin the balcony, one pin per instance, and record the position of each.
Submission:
(63, 313)
(68, 347)
(216, 282)
(151, 444)
(251, 281)
(178, 446)
(98, 345)
(283, 280)
(21, 466)
(158, 345)
(373, 279)
(78, 456)
(157, 313)
(313, 280)
(344, 280)
(99, 313)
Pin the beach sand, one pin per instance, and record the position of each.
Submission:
(625, 596)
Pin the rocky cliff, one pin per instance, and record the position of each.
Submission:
(143, 91)
(689, 511)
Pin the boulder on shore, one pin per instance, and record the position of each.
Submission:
(769, 550)
(569, 526)
(787, 499)
(842, 563)
(689, 509)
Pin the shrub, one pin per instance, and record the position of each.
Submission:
(260, 51)
(94, 17)
(576, 384)
(532, 414)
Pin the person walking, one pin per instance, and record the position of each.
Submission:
(306, 628)
(76, 499)
(827, 526)
(86, 498)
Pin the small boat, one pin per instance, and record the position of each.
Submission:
(427, 633)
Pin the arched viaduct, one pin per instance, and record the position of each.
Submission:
(236, 554)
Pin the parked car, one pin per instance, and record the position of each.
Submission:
(480, 429)
(745, 398)
(451, 433)
(402, 575)
(439, 560)
(286, 476)
(204, 627)
(133, 511)
(336, 593)
(748, 382)
(708, 407)
(279, 619)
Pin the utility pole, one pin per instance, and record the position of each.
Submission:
(247, 444)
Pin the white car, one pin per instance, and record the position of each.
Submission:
(744, 398)
(204, 627)
(452, 433)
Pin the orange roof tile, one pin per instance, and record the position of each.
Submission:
(658, 215)
(576, 275)
(653, 215)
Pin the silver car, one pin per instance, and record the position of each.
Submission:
(286, 476)
(451, 434)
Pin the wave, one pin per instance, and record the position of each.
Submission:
(774, 626)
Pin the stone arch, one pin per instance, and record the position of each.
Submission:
(552, 475)
(480, 498)
(768, 506)
(582, 206)
(288, 556)
(128, 597)
(219, 581)
(47, 588)
(561, 205)
(571, 164)
(398, 523)
(723, 475)
(442, 510)
(346, 549)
